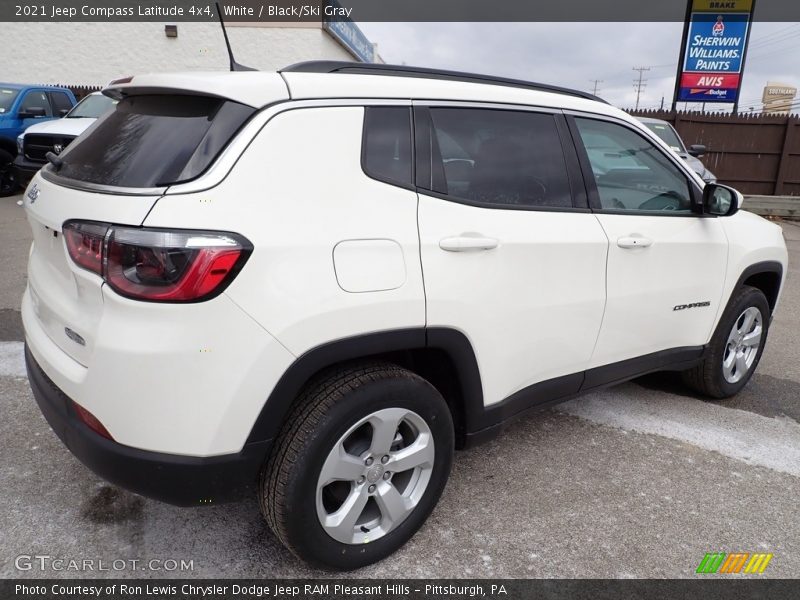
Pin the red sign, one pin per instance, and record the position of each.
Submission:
(710, 80)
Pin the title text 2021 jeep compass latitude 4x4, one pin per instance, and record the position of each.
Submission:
(320, 282)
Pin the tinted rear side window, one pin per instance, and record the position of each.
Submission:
(152, 141)
(386, 153)
(61, 103)
(501, 157)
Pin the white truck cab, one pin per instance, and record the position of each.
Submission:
(318, 283)
(55, 135)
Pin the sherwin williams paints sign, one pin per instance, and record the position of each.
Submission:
(715, 46)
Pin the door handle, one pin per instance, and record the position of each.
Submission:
(466, 243)
(634, 241)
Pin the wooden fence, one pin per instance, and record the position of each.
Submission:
(757, 154)
(82, 90)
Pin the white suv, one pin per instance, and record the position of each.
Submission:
(318, 283)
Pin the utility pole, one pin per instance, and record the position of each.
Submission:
(596, 88)
(640, 84)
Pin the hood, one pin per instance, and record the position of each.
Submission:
(697, 166)
(62, 126)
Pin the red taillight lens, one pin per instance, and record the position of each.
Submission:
(85, 244)
(169, 265)
(91, 421)
(158, 265)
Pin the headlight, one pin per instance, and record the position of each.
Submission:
(20, 140)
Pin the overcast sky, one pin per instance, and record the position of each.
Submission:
(575, 54)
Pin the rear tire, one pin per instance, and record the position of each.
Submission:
(735, 348)
(8, 177)
(359, 465)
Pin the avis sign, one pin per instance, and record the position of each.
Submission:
(716, 42)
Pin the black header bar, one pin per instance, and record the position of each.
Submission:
(370, 10)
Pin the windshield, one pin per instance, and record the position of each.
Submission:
(7, 99)
(667, 133)
(92, 107)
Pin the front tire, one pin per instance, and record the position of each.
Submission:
(359, 465)
(735, 348)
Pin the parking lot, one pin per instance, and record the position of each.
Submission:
(640, 480)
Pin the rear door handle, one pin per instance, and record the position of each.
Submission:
(634, 241)
(466, 243)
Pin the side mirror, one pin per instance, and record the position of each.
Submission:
(721, 200)
(63, 112)
(697, 150)
(32, 112)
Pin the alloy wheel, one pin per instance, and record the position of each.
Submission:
(742, 346)
(375, 476)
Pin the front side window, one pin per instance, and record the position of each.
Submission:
(387, 144)
(154, 141)
(36, 100)
(630, 172)
(500, 157)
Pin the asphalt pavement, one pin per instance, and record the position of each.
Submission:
(640, 480)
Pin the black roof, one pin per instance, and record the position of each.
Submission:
(335, 66)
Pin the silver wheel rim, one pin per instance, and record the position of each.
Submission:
(375, 476)
(742, 346)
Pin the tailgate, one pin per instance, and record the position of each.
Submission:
(67, 299)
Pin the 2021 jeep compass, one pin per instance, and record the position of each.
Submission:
(318, 283)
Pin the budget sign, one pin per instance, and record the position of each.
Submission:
(715, 45)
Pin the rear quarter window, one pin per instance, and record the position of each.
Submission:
(386, 149)
(154, 141)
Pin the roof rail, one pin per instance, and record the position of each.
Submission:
(336, 66)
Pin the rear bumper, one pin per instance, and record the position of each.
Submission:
(25, 170)
(171, 478)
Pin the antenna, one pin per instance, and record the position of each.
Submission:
(235, 66)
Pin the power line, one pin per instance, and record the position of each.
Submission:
(640, 84)
(596, 87)
(762, 42)
(759, 54)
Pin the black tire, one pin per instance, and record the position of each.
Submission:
(708, 377)
(8, 177)
(326, 410)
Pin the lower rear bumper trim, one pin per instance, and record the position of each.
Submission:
(170, 478)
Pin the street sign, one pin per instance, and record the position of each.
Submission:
(713, 50)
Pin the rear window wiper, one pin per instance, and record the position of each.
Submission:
(54, 160)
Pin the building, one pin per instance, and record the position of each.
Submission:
(92, 54)
(778, 98)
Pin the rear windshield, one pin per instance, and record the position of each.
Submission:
(153, 141)
(7, 99)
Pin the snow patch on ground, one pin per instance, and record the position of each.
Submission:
(749, 437)
(12, 359)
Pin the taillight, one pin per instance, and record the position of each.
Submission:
(169, 265)
(85, 244)
(156, 264)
